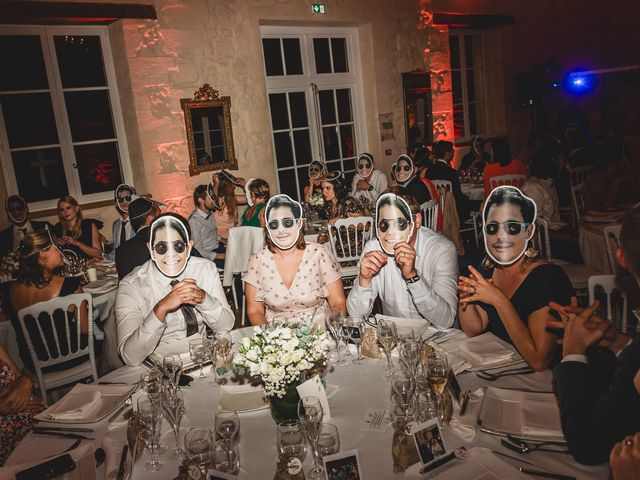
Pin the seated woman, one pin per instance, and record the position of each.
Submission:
(368, 183)
(39, 280)
(513, 303)
(75, 233)
(313, 191)
(289, 279)
(501, 164)
(406, 175)
(257, 193)
(337, 204)
(18, 405)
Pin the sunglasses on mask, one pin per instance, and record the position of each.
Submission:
(406, 168)
(314, 170)
(401, 224)
(124, 199)
(511, 227)
(162, 247)
(363, 166)
(286, 223)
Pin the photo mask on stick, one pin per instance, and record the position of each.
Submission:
(317, 169)
(394, 221)
(283, 217)
(364, 165)
(508, 224)
(231, 178)
(19, 216)
(169, 245)
(247, 192)
(403, 169)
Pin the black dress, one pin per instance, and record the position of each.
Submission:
(86, 236)
(544, 284)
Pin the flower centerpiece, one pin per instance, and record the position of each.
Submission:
(281, 355)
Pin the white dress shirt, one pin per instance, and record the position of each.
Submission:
(434, 297)
(378, 181)
(204, 233)
(115, 231)
(139, 329)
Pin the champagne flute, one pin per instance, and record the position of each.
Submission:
(172, 365)
(437, 375)
(310, 415)
(225, 457)
(328, 439)
(410, 354)
(173, 403)
(152, 383)
(198, 354)
(227, 425)
(402, 383)
(354, 327)
(388, 338)
(334, 322)
(291, 439)
(151, 422)
(198, 444)
(210, 346)
(223, 346)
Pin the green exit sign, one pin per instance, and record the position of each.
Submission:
(318, 8)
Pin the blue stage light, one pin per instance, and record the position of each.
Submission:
(579, 84)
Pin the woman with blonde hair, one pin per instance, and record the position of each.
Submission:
(258, 193)
(77, 234)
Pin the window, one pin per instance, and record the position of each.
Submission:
(61, 127)
(468, 86)
(314, 102)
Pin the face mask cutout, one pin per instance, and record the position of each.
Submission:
(364, 165)
(123, 195)
(169, 246)
(478, 145)
(317, 169)
(247, 192)
(230, 177)
(16, 208)
(509, 223)
(212, 196)
(403, 169)
(283, 217)
(394, 221)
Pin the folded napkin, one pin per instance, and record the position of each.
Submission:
(465, 427)
(76, 405)
(241, 397)
(541, 416)
(486, 350)
(457, 363)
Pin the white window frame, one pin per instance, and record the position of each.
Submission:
(287, 83)
(460, 33)
(60, 113)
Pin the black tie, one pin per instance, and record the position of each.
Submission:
(24, 231)
(189, 315)
(123, 232)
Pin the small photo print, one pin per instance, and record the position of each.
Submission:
(342, 466)
(428, 441)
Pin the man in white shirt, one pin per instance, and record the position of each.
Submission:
(18, 213)
(203, 227)
(414, 273)
(121, 229)
(169, 297)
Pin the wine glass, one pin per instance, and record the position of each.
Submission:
(225, 457)
(227, 425)
(427, 407)
(334, 322)
(437, 375)
(388, 338)
(152, 383)
(223, 346)
(310, 415)
(172, 365)
(210, 346)
(151, 423)
(410, 354)
(198, 444)
(402, 383)
(173, 403)
(328, 439)
(198, 354)
(354, 327)
(291, 439)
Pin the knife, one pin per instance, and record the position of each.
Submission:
(61, 435)
(123, 463)
(539, 473)
(513, 458)
(62, 429)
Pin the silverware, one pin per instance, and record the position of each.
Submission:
(524, 449)
(513, 458)
(534, 443)
(118, 412)
(494, 377)
(123, 463)
(540, 473)
(465, 402)
(75, 444)
(62, 435)
(62, 429)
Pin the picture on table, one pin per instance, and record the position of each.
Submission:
(342, 466)
(429, 442)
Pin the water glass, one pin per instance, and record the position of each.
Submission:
(151, 422)
(223, 348)
(172, 365)
(227, 425)
(225, 457)
(173, 403)
(355, 330)
(410, 354)
(328, 439)
(198, 352)
(291, 439)
(152, 383)
(426, 406)
(198, 445)
(402, 384)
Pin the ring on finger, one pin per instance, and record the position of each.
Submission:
(628, 441)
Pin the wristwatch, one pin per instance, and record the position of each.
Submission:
(370, 188)
(413, 279)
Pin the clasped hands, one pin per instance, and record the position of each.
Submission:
(373, 261)
(184, 292)
(476, 288)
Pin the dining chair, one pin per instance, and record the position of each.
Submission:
(578, 176)
(515, 180)
(608, 284)
(612, 242)
(443, 186)
(429, 212)
(55, 326)
(347, 238)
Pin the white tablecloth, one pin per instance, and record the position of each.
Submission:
(593, 248)
(360, 388)
(473, 191)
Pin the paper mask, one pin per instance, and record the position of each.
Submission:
(404, 169)
(212, 196)
(169, 245)
(230, 177)
(317, 169)
(123, 201)
(247, 192)
(508, 224)
(394, 221)
(364, 165)
(20, 216)
(283, 217)
(331, 176)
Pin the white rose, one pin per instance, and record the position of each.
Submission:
(277, 374)
(245, 342)
(252, 355)
(286, 334)
(286, 359)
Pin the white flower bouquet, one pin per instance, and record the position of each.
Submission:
(280, 353)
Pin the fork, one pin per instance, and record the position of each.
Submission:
(524, 449)
(492, 377)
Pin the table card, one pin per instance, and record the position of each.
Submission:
(314, 388)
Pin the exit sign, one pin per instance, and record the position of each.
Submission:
(318, 8)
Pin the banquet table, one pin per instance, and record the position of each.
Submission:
(358, 388)
(473, 191)
(593, 247)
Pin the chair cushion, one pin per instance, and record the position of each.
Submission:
(72, 374)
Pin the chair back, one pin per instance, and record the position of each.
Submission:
(541, 238)
(608, 284)
(577, 201)
(56, 323)
(579, 175)
(442, 185)
(348, 237)
(429, 212)
(242, 242)
(612, 242)
(515, 180)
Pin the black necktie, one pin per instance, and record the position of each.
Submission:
(123, 232)
(189, 315)
(24, 231)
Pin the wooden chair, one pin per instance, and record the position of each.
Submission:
(347, 238)
(429, 212)
(619, 318)
(515, 180)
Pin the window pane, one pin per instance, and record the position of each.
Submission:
(292, 56)
(298, 107)
(288, 183)
(339, 52)
(477, 119)
(303, 180)
(302, 145)
(89, 115)
(349, 164)
(21, 63)
(344, 105)
(347, 141)
(40, 174)
(29, 119)
(473, 51)
(458, 121)
(279, 116)
(272, 56)
(321, 53)
(456, 86)
(454, 49)
(331, 145)
(475, 86)
(98, 167)
(327, 107)
(80, 61)
(284, 152)
(348, 178)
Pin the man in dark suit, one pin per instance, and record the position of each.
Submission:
(441, 170)
(18, 213)
(594, 417)
(134, 252)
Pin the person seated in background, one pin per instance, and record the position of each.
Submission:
(226, 213)
(513, 302)
(406, 175)
(134, 252)
(18, 214)
(412, 269)
(203, 227)
(368, 183)
(289, 279)
(502, 164)
(19, 404)
(580, 152)
(79, 235)
(313, 190)
(540, 185)
(442, 170)
(258, 193)
(337, 203)
(121, 229)
(594, 417)
(473, 163)
(170, 296)
(423, 159)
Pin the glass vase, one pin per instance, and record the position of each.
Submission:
(285, 408)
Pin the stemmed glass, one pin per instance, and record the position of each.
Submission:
(151, 422)
(310, 415)
(173, 403)
(410, 354)
(172, 365)
(291, 439)
(198, 354)
(198, 444)
(334, 322)
(437, 375)
(210, 346)
(225, 457)
(223, 346)
(227, 425)
(388, 338)
(152, 383)
(354, 327)
(328, 439)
